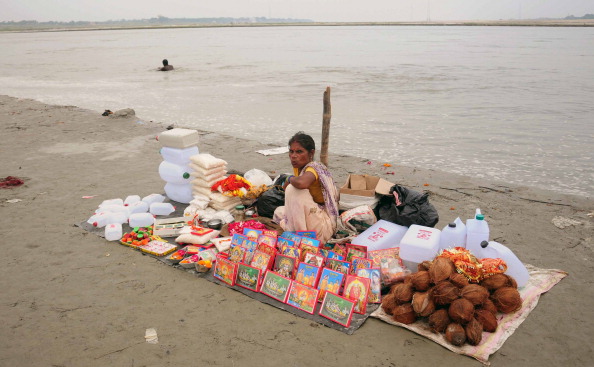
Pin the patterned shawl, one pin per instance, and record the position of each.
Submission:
(328, 189)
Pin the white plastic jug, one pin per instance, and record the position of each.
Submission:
(161, 208)
(515, 268)
(112, 202)
(381, 235)
(119, 217)
(100, 219)
(174, 173)
(113, 232)
(139, 207)
(182, 193)
(153, 198)
(131, 199)
(477, 231)
(453, 235)
(420, 243)
(178, 156)
(141, 220)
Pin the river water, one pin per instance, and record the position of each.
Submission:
(504, 103)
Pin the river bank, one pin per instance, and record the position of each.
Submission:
(71, 298)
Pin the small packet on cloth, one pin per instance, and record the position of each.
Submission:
(196, 235)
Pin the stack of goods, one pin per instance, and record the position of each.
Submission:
(454, 296)
(178, 146)
(207, 170)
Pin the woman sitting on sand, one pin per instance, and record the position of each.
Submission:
(311, 198)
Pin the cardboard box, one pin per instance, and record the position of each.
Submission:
(361, 190)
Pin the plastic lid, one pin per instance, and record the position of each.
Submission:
(240, 207)
(480, 217)
(186, 175)
(484, 244)
(452, 225)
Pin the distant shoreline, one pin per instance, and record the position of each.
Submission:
(480, 23)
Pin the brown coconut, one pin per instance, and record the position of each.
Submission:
(388, 303)
(475, 293)
(495, 281)
(404, 313)
(474, 332)
(444, 293)
(439, 320)
(441, 269)
(459, 280)
(423, 304)
(455, 334)
(507, 299)
(402, 292)
(461, 311)
(407, 279)
(511, 281)
(424, 266)
(487, 319)
(489, 306)
(421, 281)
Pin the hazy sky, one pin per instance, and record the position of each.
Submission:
(318, 10)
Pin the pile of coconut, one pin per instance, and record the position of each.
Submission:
(450, 303)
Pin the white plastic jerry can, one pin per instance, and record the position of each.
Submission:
(515, 268)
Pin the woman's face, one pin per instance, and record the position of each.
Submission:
(298, 155)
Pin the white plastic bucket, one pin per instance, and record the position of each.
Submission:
(420, 243)
(182, 193)
(174, 173)
(381, 235)
(178, 156)
(161, 208)
(113, 232)
(141, 220)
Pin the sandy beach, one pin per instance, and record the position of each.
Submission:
(70, 298)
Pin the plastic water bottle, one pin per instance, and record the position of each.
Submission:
(141, 220)
(153, 198)
(452, 235)
(131, 199)
(477, 231)
(174, 173)
(515, 268)
(161, 208)
(178, 156)
(113, 232)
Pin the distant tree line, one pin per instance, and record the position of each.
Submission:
(587, 16)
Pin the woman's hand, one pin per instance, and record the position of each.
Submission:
(301, 182)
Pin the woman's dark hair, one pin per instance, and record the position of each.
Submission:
(305, 140)
(165, 62)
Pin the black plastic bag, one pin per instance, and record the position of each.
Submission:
(272, 198)
(414, 208)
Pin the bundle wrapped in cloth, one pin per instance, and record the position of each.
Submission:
(221, 202)
(207, 170)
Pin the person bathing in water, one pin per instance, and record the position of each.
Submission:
(166, 66)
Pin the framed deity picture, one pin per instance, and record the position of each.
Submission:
(270, 250)
(305, 249)
(375, 286)
(377, 255)
(284, 265)
(208, 254)
(340, 266)
(360, 263)
(282, 242)
(268, 240)
(275, 286)
(330, 281)
(248, 255)
(307, 274)
(310, 242)
(337, 309)
(334, 255)
(310, 234)
(248, 277)
(225, 270)
(314, 259)
(270, 232)
(236, 253)
(303, 297)
(261, 260)
(357, 289)
(355, 250)
(251, 233)
(291, 251)
(238, 239)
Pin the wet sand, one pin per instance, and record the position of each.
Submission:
(70, 298)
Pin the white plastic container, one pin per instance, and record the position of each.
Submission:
(161, 208)
(112, 202)
(179, 138)
(141, 220)
(453, 235)
(113, 232)
(119, 217)
(381, 235)
(515, 268)
(139, 207)
(174, 173)
(100, 219)
(178, 156)
(113, 209)
(420, 243)
(131, 199)
(477, 231)
(182, 193)
(153, 198)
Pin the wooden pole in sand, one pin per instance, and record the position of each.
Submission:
(326, 127)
